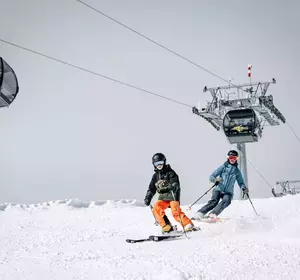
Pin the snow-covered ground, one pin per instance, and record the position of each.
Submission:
(64, 240)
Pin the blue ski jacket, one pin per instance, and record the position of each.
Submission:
(229, 173)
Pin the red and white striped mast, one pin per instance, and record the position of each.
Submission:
(249, 71)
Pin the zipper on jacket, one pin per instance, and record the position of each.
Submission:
(228, 178)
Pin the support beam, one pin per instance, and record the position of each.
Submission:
(242, 162)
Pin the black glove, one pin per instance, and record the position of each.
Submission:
(218, 180)
(245, 190)
(162, 186)
(163, 189)
(147, 201)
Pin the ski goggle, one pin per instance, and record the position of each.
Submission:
(233, 158)
(156, 163)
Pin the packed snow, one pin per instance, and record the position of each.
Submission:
(71, 239)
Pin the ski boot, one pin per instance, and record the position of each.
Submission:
(167, 229)
(191, 227)
(212, 216)
(198, 216)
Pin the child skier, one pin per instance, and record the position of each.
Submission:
(224, 178)
(165, 181)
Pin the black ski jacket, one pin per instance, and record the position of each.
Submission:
(173, 185)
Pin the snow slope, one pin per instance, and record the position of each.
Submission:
(71, 239)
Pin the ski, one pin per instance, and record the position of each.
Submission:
(155, 238)
(138, 240)
(163, 237)
(210, 220)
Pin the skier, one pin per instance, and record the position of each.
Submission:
(224, 178)
(165, 181)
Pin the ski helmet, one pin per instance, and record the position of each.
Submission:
(233, 153)
(159, 157)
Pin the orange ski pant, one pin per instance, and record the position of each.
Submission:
(159, 212)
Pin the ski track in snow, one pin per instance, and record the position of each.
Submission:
(76, 240)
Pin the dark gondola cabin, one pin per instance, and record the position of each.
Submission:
(241, 126)
(9, 87)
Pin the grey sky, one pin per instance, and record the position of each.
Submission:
(72, 134)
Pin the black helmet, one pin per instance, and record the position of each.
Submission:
(159, 157)
(233, 153)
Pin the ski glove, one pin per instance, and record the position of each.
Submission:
(245, 190)
(161, 183)
(147, 201)
(162, 186)
(217, 180)
(163, 190)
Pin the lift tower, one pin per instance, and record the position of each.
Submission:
(241, 111)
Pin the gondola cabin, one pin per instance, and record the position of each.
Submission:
(241, 126)
(9, 86)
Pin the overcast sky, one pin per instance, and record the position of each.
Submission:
(73, 134)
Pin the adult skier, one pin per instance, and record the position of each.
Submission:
(165, 181)
(224, 177)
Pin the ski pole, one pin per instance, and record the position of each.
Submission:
(252, 204)
(151, 208)
(179, 215)
(202, 195)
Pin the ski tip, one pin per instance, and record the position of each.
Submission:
(129, 241)
(137, 240)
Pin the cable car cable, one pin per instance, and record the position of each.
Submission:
(95, 73)
(293, 131)
(155, 42)
(260, 174)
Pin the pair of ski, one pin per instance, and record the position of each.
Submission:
(162, 237)
(210, 220)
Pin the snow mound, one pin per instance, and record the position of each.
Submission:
(75, 203)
